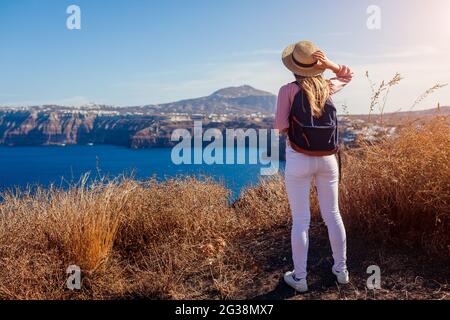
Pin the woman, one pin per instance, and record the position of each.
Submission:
(310, 155)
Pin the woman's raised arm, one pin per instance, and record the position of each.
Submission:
(343, 73)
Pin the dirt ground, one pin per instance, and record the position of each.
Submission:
(405, 274)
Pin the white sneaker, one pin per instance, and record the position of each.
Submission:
(342, 276)
(299, 285)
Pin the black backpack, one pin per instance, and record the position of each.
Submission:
(310, 135)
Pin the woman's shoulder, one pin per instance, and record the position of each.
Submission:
(289, 87)
(287, 93)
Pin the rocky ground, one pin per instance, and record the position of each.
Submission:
(405, 274)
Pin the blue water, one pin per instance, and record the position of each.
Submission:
(23, 166)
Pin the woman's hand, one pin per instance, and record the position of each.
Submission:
(324, 62)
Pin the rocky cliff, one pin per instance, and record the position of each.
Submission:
(136, 127)
(135, 131)
(54, 128)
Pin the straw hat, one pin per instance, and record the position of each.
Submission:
(298, 58)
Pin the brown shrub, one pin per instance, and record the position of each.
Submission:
(398, 190)
(265, 204)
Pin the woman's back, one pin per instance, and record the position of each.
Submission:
(288, 92)
(305, 111)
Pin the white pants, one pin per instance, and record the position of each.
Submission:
(299, 170)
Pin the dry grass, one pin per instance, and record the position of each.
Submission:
(183, 239)
(380, 93)
(398, 190)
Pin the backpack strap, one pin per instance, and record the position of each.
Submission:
(298, 84)
(339, 150)
(339, 164)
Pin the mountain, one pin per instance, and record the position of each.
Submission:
(239, 92)
(400, 116)
(232, 100)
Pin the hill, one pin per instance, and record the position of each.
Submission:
(243, 99)
(405, 115)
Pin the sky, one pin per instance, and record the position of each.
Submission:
(138, 52)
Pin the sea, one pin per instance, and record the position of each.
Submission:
(62, 166)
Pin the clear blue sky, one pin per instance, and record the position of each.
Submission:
(137, 52)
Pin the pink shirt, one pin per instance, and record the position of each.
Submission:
(287, 94)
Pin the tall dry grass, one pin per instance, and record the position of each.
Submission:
(177, 239)
(44, 231)
(182, 238)
(398, 191)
